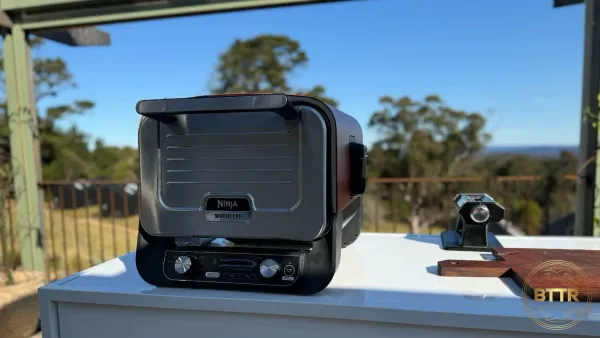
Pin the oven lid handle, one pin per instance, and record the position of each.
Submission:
(229, 103)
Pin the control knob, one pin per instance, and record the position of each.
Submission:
(268, 268)
(183, 264)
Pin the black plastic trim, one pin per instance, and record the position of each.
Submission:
(358, 168)
(161, 108)
(331, 145)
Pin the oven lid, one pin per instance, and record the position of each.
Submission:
(259, 173)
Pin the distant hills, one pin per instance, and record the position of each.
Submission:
(542, 151)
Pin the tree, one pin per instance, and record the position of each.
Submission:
(318, 92)
(263, 64)
(553, 194)
(63, 153)
(114, 162)
(528, 215)
(423, 139)
(512, 165)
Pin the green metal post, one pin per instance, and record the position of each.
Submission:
(596, 231)
(24, 147)
(587, 196)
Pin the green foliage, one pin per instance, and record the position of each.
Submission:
(65, 154)
(115, 162)
(259, 64)
(78, 107)
(427, 138)
(318, 92)
(528, 214)
(263, 64)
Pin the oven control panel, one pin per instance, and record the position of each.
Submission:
(232, 268)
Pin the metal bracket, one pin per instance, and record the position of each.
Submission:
(475, 213)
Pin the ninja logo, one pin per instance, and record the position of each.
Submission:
(229, 204)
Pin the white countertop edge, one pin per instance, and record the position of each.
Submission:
(529, 238)
(393, 316)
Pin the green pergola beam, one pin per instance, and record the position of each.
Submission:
(24, 147)
(76, 37)
(104, 14)
(11, 5)
(563, 3)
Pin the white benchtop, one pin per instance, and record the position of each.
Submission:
(389, 278)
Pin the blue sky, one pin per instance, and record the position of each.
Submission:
(519, 62)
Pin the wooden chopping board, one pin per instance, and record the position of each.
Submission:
(536, 268)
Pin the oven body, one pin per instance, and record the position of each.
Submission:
(281, 177)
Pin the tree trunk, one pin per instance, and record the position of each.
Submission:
(425, 228)
(414, 222)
